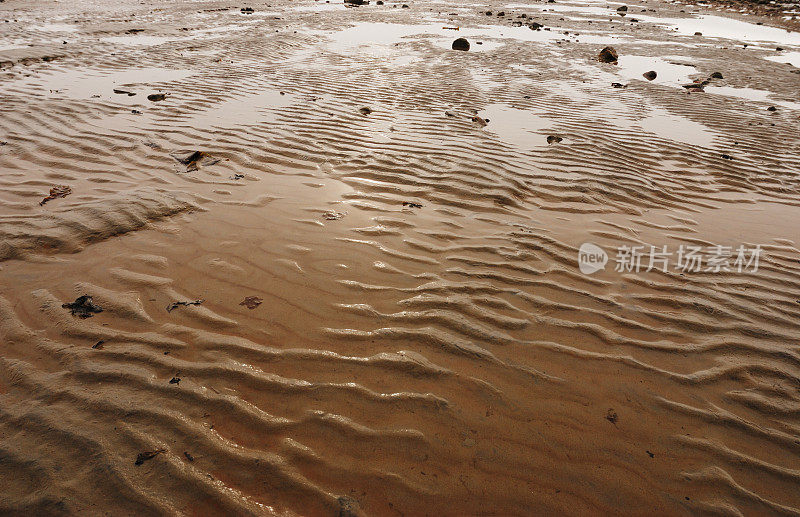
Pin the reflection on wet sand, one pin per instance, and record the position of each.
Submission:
(307, 259)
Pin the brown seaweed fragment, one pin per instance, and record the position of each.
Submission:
(251, 302)
(147, 455)
(56, 192)
(174, 305)
(82, 307)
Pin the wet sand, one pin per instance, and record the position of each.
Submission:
(390, 318)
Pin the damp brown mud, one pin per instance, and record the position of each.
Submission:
(313, 308)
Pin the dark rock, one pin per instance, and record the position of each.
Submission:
(405, 6)
(622, 8)
(698, 33)
(461, 44)
(365, 110)
(772, 108)
(726, 157)
(488, 13)
(779, 49)
(611, 416)
(501, 13)
(479, 120)
(552, 139)
(248, 10)
(124, 92)
(716, 75)
(82, 307)
(619, 85)
(156, 97)
(650, 75)
(411, 204)
(534, 26)
(175, 380)
(608, 55)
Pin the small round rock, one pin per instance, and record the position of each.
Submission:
(461, 44)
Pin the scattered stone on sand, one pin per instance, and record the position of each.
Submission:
(553, 139)
(136, 112)
(251, 302)
(411, 204)
(622, 8)
(175, 380)
(134, 31)
(98, 345)
(772, 108)
(156, 97)
(488, 13)
(611, 416)
(147, 455)
(480, 120)
(716, 75)
(501, 13)
(83, 307)
(449, 114)
(535, 26)
(365, 110)
(608, 55)
(356, 2)
(779, 49)
(461, 44)
(194, 159)
(188, 456)
(698, 33)
(650, 75)
(248, 10)
(56, 192)
(726, 157)
(174, 305)
(123, 92)
(333, 215)
(650, 454)
(237, 176)
(619, 85)
(405, 6)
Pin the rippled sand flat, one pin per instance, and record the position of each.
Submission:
(380, 311)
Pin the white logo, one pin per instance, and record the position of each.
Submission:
(591, 258)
